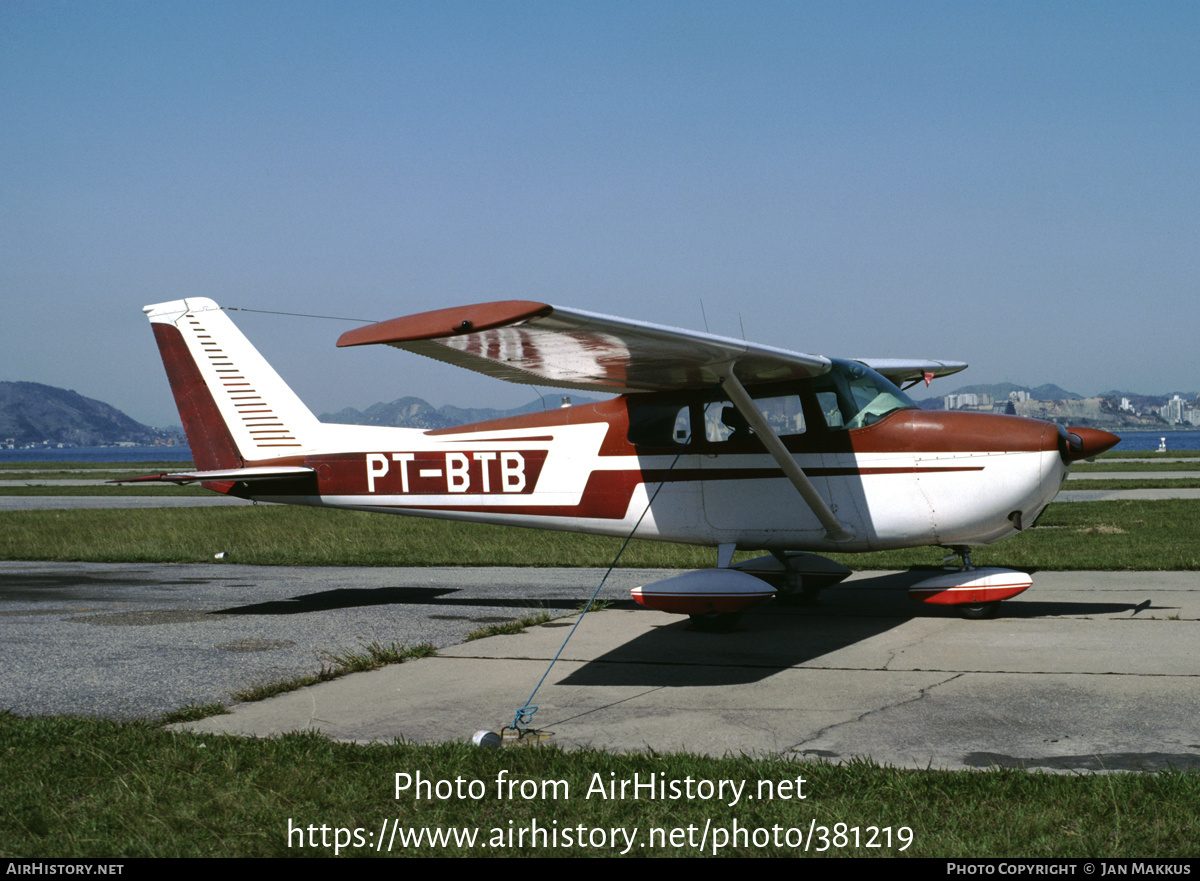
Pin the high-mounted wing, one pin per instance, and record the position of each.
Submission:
(539, 344)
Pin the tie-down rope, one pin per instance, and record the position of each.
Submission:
(524, 715)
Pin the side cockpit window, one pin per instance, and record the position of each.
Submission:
(724, 422)
(715, 420)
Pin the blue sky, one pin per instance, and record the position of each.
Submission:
(1010, 184)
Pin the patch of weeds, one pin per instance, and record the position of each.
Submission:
(192, 713)
(372, 657)
(509, 627)
(375, 656)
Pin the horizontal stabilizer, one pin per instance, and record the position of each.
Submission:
(279, 472)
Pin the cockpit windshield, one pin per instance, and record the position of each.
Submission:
(852, 395)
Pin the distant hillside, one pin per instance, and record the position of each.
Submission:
(1000, 392)
(32, 413)
(1050, 392)
(1055, 404)
(413, 412)
(1145, 402)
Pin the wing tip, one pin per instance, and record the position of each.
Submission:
(442, 323)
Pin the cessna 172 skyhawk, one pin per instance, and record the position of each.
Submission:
(712, 441)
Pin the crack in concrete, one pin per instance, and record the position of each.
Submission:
(894, 653)
(919, 696)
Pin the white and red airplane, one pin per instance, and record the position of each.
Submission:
(712, 441)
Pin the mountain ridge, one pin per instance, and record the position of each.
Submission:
(33, 413)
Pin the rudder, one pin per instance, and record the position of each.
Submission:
(235, 408)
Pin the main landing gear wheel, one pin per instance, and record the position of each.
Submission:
(803, 596)
(798, 576)
(810, 594)
(715, 622)
(979, 611)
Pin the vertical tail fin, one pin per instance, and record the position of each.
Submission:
(235, 408)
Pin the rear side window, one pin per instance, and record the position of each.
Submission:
(659, 424)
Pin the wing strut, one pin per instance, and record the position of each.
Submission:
(835, 530)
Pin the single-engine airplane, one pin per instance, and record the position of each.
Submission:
(712, 441)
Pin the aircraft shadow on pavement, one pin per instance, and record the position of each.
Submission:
(878, 597)
(766, 642)
(775, 637)
(349, 598)
(874, 597)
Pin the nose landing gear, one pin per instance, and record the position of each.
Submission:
(975, 593)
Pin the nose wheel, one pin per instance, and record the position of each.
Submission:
(978, 611)
(974, 593)
(715, 622)
(971, 611)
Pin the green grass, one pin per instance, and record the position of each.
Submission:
(1132, 465)
(93, 788)
(372, 657)
(277, 535)
(508, 628)
(1111, 535)
(106, 473)
(1151, 454)
(1178, 483)
(193, 713)
(156, 489)
(144, 467)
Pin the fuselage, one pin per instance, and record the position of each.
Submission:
(913, 478)
(686, 463)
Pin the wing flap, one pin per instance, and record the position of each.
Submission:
(539, 344)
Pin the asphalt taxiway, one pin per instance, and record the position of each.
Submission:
(1086, 671)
